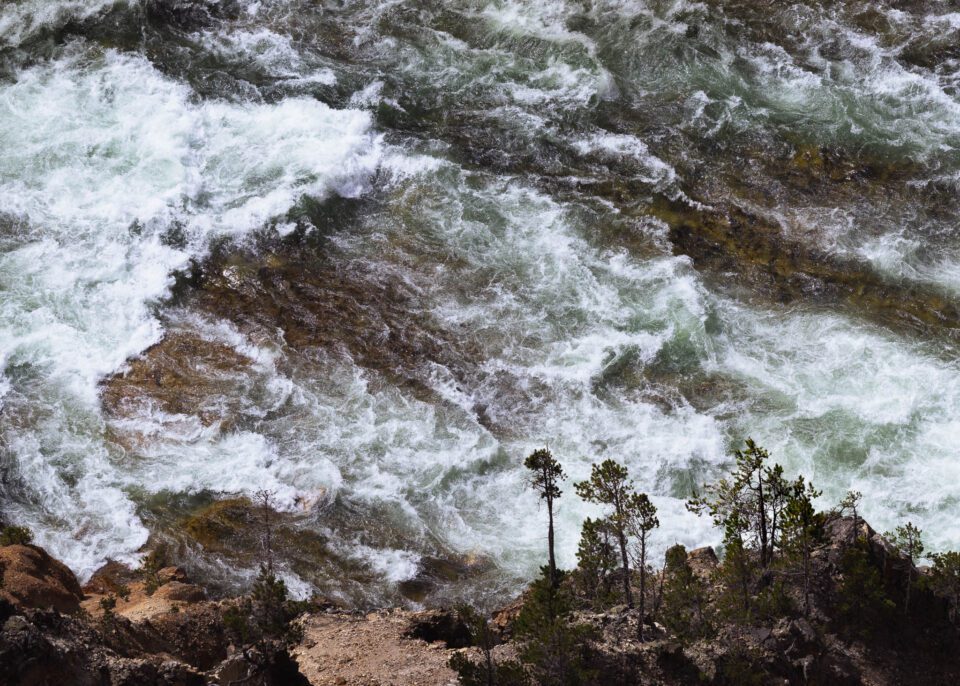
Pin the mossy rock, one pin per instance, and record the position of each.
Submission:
(223, 526)
(233, 527)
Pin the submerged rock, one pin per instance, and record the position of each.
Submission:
(223, 525)
(183, 374)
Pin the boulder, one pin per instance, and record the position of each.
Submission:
(439, 625)
(176, 590)
(33, 579)
(168, 574)
(110, 578)
(504, 618)
(270, 664)
(703, 562)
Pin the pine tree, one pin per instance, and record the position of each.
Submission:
(754, 479)
(780, 492)
(908, 540)
(862, 603)
(753, 498)
(609, 485)
(552, 649)
(546, 475)
(596, 561)
(264, 499)
(149, 570)
(945, 579)
(803, 530)
(729, 506)
(684, 596)
(736, 574)
(642, 520)
(851, 503)
(749, 507)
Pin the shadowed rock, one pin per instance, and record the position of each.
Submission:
(33, 579)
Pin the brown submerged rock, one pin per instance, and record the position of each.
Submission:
(223, 525)
(285, 292)
(732, 240)
(232, 527)
(182, 374)
(318, 304)
(33, 579)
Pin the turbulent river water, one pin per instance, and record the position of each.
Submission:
(369, 254)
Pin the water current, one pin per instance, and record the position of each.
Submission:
(369, 254)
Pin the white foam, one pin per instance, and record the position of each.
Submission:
(390, 564)
(20, 20)
(275, 53)
(546, 19)
(852, 408)
(619, 146)
(104, 156)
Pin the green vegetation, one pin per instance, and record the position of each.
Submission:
(610, 485)
(945, 579)
(597, 559)
(863, 605)
(266, 614)
(907, 539)
(783, 559)
(554, 650)
(849, 504)
(803, 533)
(684, 597)
(643, 520)
(547, 474)
(149, 571)
(108, 605)
(16, 535)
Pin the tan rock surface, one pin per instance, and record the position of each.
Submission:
(138, 606)
(350, 650)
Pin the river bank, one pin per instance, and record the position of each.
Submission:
(174, 635)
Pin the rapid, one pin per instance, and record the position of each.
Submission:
(368, 255)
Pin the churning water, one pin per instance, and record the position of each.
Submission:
(497, 224)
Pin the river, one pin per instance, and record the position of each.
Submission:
(368, 255)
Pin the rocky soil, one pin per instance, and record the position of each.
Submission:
(371, 650)
(52, 631)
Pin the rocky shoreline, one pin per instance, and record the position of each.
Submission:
(56, 632)
(166, 631)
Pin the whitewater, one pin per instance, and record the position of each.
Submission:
(479, 188)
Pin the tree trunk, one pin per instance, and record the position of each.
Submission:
(906, 605)
(659, 599)
(643, 584)
(553, 561)
(626, 566)
(488, 653)
(762, 513)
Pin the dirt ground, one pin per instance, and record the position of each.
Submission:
(370, 650)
